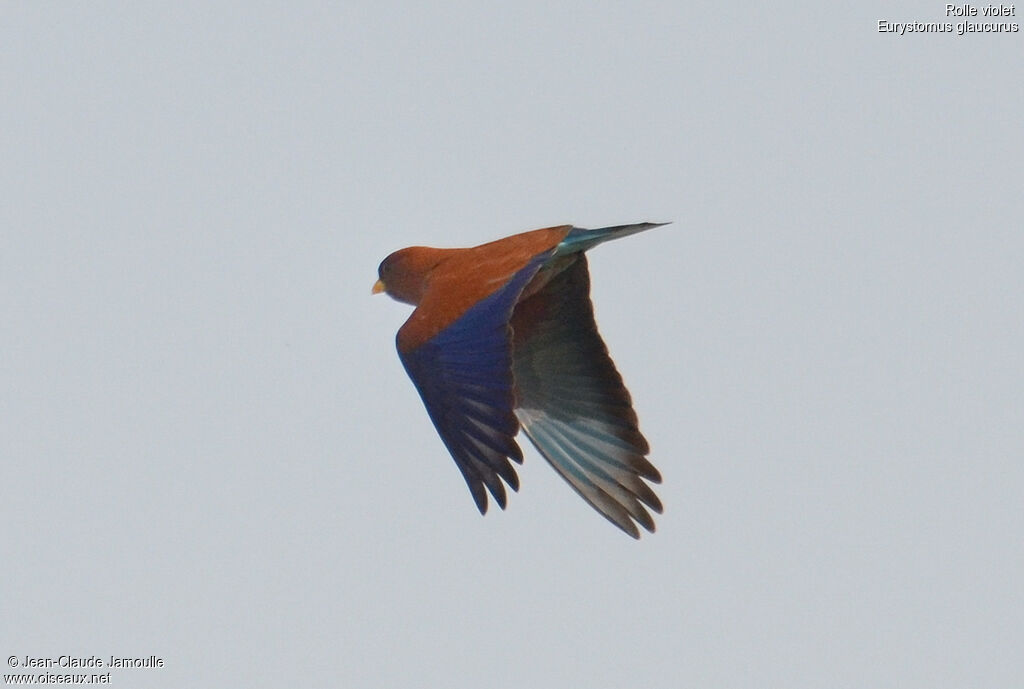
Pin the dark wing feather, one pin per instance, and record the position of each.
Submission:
(464, 375)
(573, 405)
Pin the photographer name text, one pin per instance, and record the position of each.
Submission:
(69, 661)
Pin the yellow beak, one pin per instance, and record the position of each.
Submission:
(378, 287)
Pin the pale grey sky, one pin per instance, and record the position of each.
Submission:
(211, 452)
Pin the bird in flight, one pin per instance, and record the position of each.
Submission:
(503, 337)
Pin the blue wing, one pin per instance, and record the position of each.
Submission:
(572, 403)
(464, 375)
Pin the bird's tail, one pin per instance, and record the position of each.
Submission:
(581, 239)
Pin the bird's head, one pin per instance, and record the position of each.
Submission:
(403, 275)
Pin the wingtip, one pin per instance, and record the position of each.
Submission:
(476, 489)
(632, 531)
